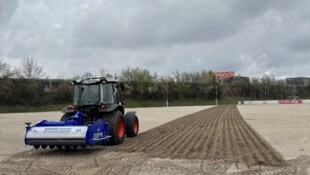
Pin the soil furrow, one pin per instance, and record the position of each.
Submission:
(201, 136)
(197, 129)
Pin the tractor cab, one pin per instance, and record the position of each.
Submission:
(95, 91)
(96, 94)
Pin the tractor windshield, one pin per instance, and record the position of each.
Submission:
(86, 95)
(108, 94)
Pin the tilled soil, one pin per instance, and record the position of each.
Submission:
(212, 141)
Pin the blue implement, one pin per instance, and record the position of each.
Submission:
(71, 132)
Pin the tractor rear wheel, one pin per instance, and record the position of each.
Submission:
(117, 127)
(132, 125)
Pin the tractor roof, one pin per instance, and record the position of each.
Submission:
(94, 80)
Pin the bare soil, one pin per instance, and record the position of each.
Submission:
(285, 127)
(213, 141)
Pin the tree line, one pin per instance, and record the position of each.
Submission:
(24, 86)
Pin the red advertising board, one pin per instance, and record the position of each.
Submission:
(225, 75)
(290, 101)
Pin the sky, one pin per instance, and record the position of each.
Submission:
(70, 37)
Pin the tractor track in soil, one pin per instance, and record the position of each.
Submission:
(213, 134)
(212, 141)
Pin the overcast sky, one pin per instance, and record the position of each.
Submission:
(70, 37)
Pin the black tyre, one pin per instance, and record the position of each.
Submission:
(117, 127)
(132, 125)
(65, 117)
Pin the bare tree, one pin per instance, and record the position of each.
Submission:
(87, 74)
(5, 70)
(17, 73)
(31, 69)
(103, 72)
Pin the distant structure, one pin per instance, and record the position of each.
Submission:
(225, 75)
(50, 85)
(229, 77)
(298, 81)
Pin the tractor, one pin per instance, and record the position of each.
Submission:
(97, 116)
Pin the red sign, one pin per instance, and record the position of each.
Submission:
(225, 75)
(290, 101)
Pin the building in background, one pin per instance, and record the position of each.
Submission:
(295, 85)
(50, 85)
(298, 81)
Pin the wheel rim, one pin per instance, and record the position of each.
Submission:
(136, 127)
(120, 128)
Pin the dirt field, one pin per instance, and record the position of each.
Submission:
(212, 141)
(285, 127)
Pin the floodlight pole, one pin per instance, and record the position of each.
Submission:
(243, 96)
(265, 94)
(167, 102)
(167, 93)
(216, 102)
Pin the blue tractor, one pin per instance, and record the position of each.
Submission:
(97, 116)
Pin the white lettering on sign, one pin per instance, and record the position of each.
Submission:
(290, 101)
(57, 132)
(224, 75)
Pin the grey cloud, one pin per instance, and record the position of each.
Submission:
(156, 24)
(72, 36)
(36, 30)
(253, 8)
(7, 10)
(301, 44)
(161, 23)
